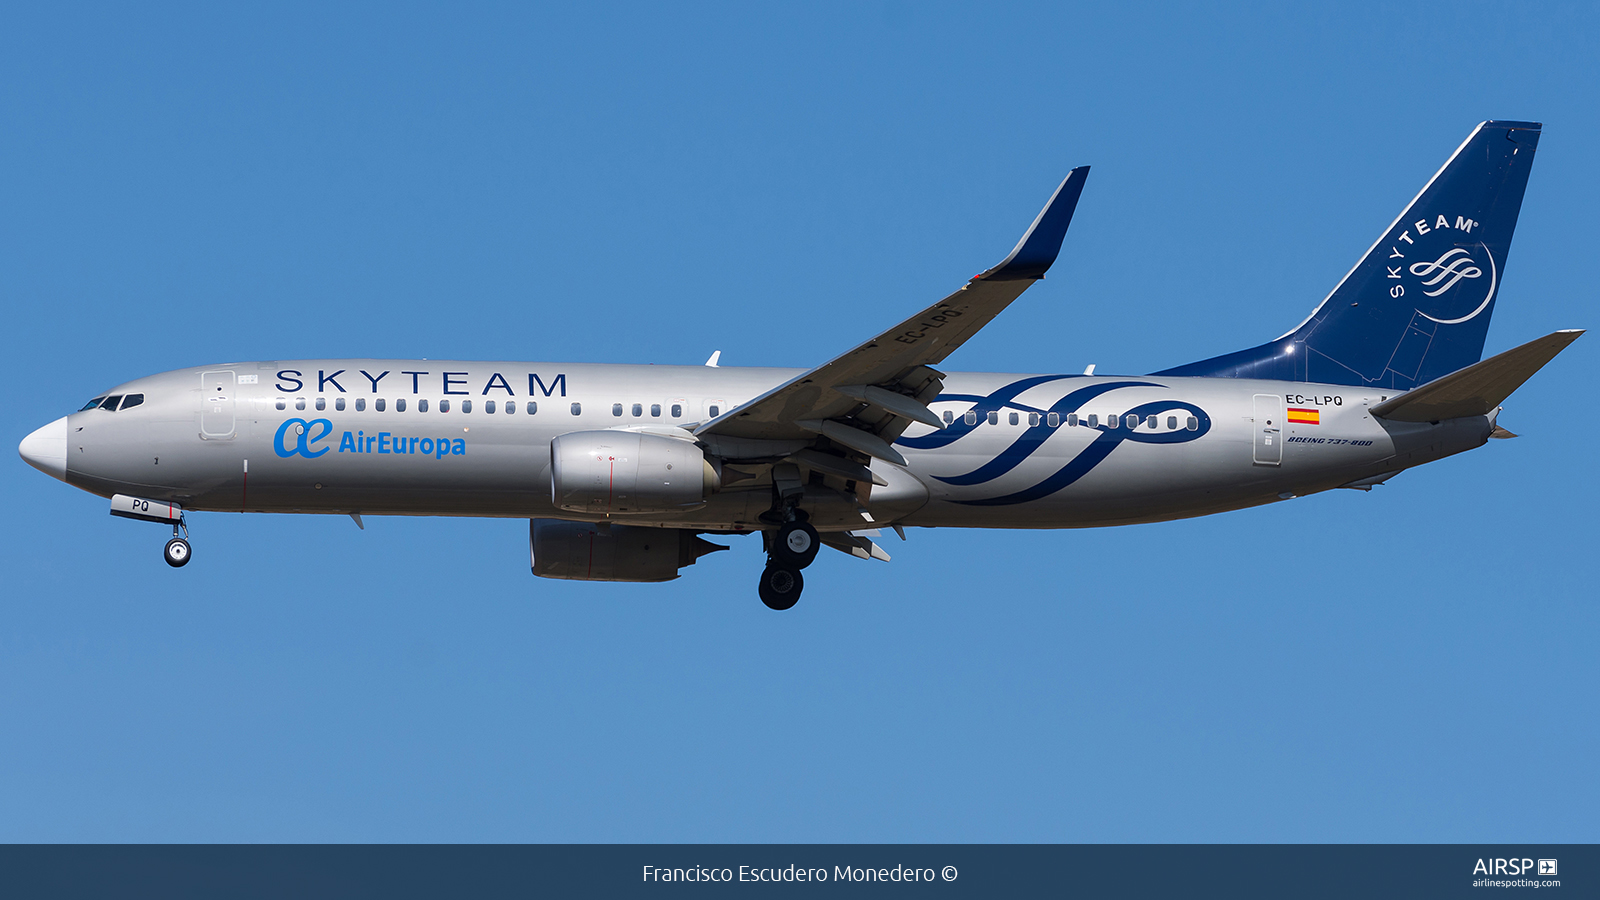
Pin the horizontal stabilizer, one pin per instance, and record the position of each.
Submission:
(1480, 387)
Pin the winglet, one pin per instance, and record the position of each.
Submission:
(1037, 250)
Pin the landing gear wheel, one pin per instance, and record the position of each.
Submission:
(177, 552)
(796, 544)
(781, 586)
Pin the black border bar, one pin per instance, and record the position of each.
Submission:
(394, 872)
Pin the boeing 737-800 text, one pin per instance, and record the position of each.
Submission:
(620, 469)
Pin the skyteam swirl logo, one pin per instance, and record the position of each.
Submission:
(1456, 246)
(1450, 268)
(303, 437)
(1035, 436)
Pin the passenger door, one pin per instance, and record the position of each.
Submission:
(216, 405)
(1268, 430)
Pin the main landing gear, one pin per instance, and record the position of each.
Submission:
(177, 551)
(791, 548)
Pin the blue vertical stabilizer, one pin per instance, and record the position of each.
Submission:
(1417, 305)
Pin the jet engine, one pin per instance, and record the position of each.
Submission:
(580, 551)
(625, 473)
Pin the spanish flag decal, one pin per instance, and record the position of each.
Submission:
(1299, 416)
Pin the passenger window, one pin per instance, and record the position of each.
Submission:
(511, 407)
(638, 410)
(994, 417)
(282, 404)
(577, 409)
(422, 406)
(1194, 424)
(715, 410)
(1054, 419)
(677, 410)
(321, 404)
(361, 404)
(971, 418)
(1172, 423)
(338, 404)
(532, 407)
(1112, 421)
(1013, 418)
(949, 417)
(488, 406)
(1094, 420)
(96, 402)
(655, 410)
(132, 400)
(1072, 420)
(1150, 421)
(299, 403)
(400, 405)
(466, 406)
(1033, 419)
(444, 405)
(378, 404)
(616, 409)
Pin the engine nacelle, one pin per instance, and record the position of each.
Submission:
(626, 473)
(580, 551)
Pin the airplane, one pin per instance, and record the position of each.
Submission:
(620, 469)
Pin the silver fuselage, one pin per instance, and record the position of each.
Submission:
(270, 437)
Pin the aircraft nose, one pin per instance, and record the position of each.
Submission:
(46, 449)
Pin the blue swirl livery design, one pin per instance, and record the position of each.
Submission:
(1035, 436)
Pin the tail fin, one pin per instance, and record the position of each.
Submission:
(1417, 306)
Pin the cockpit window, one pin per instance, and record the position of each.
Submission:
(91, 404)
(110, 404)
(132, 400)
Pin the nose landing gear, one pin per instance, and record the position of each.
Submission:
(177, 551)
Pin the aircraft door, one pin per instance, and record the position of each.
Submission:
(216, 405)
(1268, 430)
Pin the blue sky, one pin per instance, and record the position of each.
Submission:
(186, 185)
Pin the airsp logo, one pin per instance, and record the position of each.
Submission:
(1512, 867)
(1447, 269)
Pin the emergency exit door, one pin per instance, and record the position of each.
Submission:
(216, 405)
(1269, 430)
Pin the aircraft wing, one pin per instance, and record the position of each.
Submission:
(865, 398)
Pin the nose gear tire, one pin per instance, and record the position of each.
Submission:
(177, 553)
